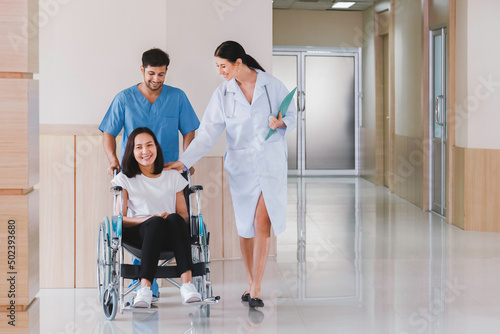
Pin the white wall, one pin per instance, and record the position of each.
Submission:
(192, 40)
(90, 50)
(461, 120)
(483, 91)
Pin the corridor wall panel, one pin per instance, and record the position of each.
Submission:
(57, 211)
(19, 166)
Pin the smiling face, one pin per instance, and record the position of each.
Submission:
(154, 77)
(227, 69)
(144, 150)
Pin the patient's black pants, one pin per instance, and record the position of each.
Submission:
(157, 234)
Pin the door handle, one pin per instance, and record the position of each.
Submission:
(436, 111)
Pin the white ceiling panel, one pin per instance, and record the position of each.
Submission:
(320, 4)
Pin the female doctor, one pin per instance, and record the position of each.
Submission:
(245, 105)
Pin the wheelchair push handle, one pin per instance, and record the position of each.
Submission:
(116, 188)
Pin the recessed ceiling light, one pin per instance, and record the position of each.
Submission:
(343, 4)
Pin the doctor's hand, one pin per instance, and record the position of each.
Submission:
(177, 165)
(275, 123)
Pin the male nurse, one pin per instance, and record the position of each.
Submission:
(162, 108)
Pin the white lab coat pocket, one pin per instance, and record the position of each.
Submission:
(275, 155)
(237, 162)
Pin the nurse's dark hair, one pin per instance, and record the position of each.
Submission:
(155, 58)
(232, 51)
(130, 165)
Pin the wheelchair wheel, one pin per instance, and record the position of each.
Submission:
(110, 303)
(103, 257)
(101, 262)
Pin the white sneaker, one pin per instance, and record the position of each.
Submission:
(189, 293)
(144, 297)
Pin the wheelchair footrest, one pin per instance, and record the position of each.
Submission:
(130, 307)
(208, 301)
(132, 271)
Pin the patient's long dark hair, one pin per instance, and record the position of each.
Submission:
(130, 165)
(231, 50)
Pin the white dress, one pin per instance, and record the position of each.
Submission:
(254, 165)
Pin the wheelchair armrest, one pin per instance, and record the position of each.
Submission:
(195, 188)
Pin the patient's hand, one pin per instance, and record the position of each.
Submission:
(164, 215)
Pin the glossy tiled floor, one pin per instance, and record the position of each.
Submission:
(354, 259)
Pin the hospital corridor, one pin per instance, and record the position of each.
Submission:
(354, 259)
(372, 123)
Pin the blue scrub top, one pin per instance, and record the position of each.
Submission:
(171, 112)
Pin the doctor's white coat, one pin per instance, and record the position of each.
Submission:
(254, 165)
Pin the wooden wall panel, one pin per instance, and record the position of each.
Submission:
(418, 159)
(208, 173)
(33, 243)
(482, 184)
(19, 36)
(368, 156)
(57, 215)
(22, 212)
(409, 169)
(93, 201)
(410, 190)
(27, 322)
(458, 180)
(491, 181)
(475, 194)
(19, 139)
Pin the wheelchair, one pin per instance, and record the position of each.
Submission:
(112, 271)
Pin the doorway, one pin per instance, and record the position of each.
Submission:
(326, 140)
(438, 123)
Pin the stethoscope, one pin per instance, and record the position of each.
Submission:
(231, 115)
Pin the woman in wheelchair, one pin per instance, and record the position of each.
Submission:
(154, 213)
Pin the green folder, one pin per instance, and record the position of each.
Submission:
(283, 108)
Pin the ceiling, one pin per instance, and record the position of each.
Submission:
(320, 4)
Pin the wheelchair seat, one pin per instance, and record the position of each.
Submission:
(137, 252)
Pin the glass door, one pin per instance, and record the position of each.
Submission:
(438, 132)
(286, 68)
(327, 137)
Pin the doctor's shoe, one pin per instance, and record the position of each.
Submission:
(189, 293)
(143, 298)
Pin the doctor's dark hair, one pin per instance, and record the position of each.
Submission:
(130, 165)
(155, 58)
(231, 50)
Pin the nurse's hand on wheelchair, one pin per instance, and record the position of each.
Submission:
(112, 166)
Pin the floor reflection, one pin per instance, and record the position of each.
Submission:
(325, 206)
(353, 259)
